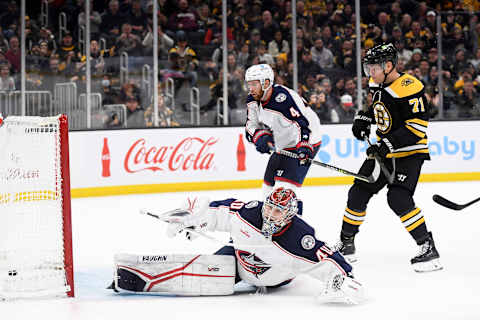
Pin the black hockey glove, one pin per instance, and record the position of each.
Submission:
(381, 148)
(361, 125)
(263, 140)
(304, 152)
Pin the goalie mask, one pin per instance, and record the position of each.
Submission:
(278, 210)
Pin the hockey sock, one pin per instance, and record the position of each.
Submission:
(352, 220)
(414, 222)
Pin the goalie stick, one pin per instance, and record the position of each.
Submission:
(370, 179)
(162, 216)
(452, 205)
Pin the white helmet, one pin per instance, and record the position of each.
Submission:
(260, 72)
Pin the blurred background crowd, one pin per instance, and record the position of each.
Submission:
(190, 55)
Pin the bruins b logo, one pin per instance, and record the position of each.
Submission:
(382, 117)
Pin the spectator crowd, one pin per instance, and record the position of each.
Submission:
(190, 51)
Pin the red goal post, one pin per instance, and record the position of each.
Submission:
(35, 222)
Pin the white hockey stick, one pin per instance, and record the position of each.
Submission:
(191, 230)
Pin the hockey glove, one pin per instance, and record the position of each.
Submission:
(193, 215)
(361, 125)
(381, 148)
(263, 140)
(304, 152)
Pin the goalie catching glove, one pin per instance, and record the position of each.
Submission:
(192, 215)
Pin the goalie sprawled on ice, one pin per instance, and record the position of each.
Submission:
(270, 245)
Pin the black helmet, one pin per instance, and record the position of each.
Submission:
(381, 54)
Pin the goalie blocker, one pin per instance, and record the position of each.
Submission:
(181, 274)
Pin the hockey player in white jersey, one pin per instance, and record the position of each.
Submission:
(277, 117)
(270, 245)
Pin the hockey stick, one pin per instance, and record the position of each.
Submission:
(389, 175)
(369, 179)
(191, 230)
(452, 205)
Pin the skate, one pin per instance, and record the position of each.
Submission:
(346, 247)
(428, 258)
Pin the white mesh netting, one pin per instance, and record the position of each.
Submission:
(31, 215)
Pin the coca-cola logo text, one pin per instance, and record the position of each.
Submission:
(191, 153)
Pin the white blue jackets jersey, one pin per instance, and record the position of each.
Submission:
(269, 262)
(286, 116)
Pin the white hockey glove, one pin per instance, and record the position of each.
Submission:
(342, 289)
(192, 215)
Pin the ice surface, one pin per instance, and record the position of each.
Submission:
(109, 225)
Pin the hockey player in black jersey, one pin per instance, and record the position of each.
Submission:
(399, 110)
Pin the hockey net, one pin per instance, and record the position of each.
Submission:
(35, 221)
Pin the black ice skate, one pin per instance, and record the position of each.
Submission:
(346, 247)
(428, 258)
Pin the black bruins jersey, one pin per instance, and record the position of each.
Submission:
(400, 110)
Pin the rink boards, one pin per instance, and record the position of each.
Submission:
(184, 159)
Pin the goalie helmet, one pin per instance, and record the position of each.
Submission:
(380, 55)
(260, 72)
(278, 210)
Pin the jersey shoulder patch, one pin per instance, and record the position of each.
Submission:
(308, 242)
(280, 94)
(405, 86)
(281, 97)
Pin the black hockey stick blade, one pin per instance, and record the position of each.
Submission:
(452, 205)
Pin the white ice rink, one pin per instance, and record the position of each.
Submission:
(109, 225)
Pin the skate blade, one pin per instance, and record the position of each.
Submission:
(427, 266)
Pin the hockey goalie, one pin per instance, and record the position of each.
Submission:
(270, 245)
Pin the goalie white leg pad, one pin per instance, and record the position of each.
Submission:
(182, 274)
(427, 266)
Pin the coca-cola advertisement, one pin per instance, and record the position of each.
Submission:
(205, 157)
(187, 159)
(190, 153)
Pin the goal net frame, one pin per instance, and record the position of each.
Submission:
(63, 284)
